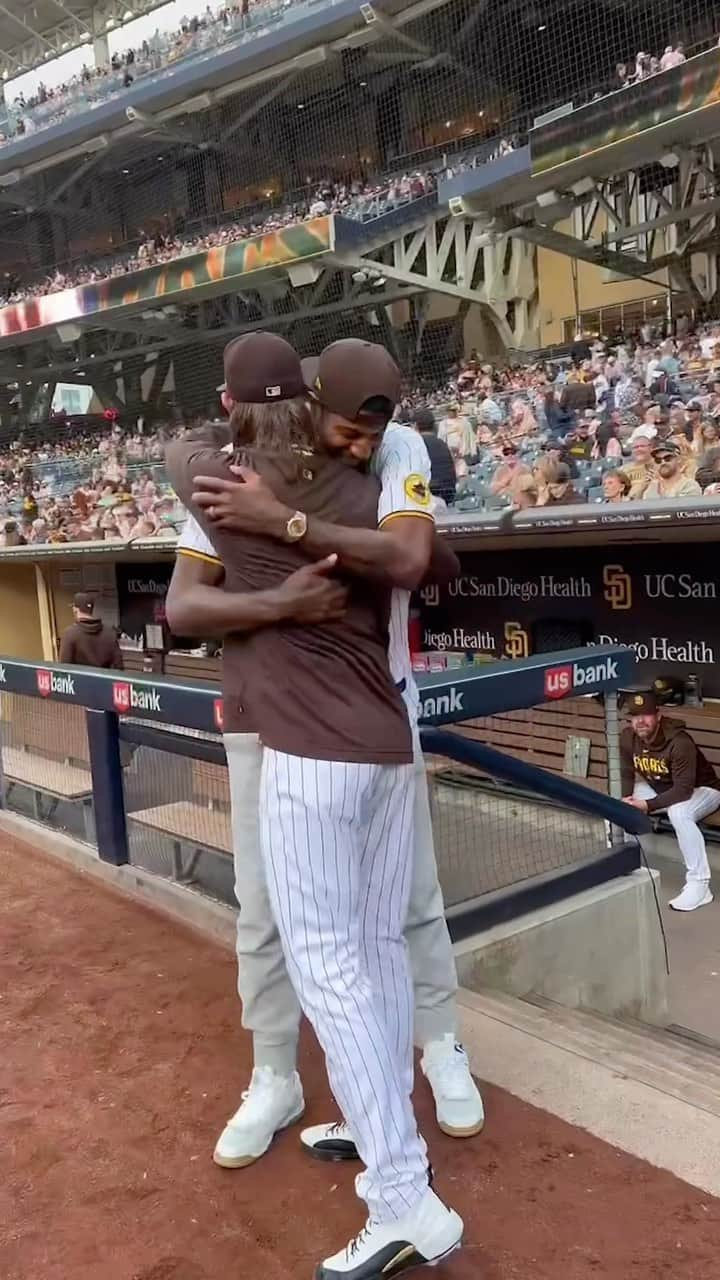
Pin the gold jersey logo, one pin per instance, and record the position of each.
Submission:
(417, 491)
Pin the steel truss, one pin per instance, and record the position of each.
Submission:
(452, 256)
(148, 341)
(76, 24)
(662, 217)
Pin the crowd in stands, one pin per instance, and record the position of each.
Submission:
(358, 199)
(628, 420)
(646, 65)
(96, 484)
(236, 20)
(620, 422)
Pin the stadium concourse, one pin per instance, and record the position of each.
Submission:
(621, 419)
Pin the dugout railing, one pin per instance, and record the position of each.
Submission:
(135, 766)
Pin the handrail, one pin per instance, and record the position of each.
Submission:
(446, 697)
(562, 791)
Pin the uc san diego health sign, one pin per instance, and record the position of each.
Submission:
(662, 600)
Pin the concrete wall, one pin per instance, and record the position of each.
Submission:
(599, 950)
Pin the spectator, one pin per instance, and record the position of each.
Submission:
(577, 396)
(442, 474)
(671, 480)
(579, 444)
(663, 769)
(526, 492)
(640, 471)
(458, 435)
(560, 491)
(510, 472)
(607, 440)
(88, 642)
(616, 486)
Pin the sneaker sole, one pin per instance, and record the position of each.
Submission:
(706, 902)
(328, 1156)
(414, 1265)
(242, 1162)
(470, 1132)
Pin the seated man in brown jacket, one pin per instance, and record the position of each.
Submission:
(88, 642)
(663, 769)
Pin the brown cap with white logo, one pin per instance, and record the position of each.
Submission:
(350, 375)
(262, 368)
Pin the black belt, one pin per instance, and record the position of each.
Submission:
(401, 685)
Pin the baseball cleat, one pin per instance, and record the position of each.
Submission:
(697, 893)
(329, 1142)
(271, 1103)
(458, 1104)
(424, 1236)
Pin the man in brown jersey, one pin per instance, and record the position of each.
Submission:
(336, 801)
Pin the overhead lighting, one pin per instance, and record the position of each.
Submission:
(128, 14)
(126, 170)
(542, 28)
(301, 106)
(65, 44)
(85, 35)
(363, 84)
(110, 23)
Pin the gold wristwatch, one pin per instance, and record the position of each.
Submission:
(296, 527)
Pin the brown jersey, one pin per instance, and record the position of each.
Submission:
(321, 692)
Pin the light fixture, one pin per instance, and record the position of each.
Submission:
(363, 84)
(301, 106)
(542, 28)
(126, 170)
(85, 35)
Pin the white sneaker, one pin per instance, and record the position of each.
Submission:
(421, 1238)
(271, 1103)
(697, 893)
(330, 1142)
(458, 1104)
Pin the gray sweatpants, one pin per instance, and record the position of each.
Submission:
(270, 1007)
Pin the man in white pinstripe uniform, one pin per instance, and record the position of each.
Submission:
(270, 1009)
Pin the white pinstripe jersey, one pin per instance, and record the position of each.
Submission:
(402, 465)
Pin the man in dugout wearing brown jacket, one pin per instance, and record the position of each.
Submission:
(88, 642)
(663, 769)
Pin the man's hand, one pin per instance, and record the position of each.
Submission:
(311, 596)
(636, 803)
(246, 505)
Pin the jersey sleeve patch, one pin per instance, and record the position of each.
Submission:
(417, 490)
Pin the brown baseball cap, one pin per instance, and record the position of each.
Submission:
(640, 702)
(84, 602)
(351, 372)
(262, 368)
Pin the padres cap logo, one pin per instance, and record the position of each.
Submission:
(638, 700)
(417, 490)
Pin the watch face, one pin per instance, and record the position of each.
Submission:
(296, 526)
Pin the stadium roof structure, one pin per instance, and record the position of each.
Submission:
(34, 31)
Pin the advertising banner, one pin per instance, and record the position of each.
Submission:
(662, 601)
(141, 592)
(691, 88)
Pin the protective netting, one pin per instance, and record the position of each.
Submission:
(487, 837)
(46, 763)
(362, 125)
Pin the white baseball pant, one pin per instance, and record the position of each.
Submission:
(684, 818)
(270, 1008)
(337, 843)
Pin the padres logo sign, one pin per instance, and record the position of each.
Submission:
(517, 641)
(618, 586)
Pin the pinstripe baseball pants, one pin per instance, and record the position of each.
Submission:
(270, 1006)
(337, 844)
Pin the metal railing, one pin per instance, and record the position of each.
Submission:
(136, 767)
